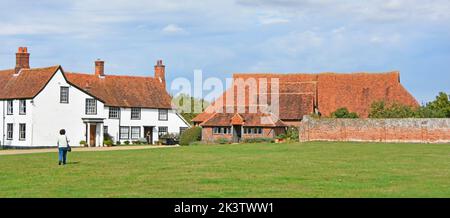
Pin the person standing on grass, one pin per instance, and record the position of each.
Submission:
(63, 146)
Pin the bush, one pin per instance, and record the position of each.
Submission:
(381, 110)
(259, 140)
(291, 134)
(136, 142)
(108, 142)
(118, 142)
(344, 113)
(193, 134)
(126, 142)
(83, 143)
(222, 141)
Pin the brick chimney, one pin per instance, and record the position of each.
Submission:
(160, 72)
(99, 68)
(22, 59)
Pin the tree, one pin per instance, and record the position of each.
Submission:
(379, 109)
(440, 106)
(188, 106)
(344, 113)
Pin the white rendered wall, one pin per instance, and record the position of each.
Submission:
(17, 119)
(149, 117)
(49, 115)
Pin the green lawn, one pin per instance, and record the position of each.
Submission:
(250, 170)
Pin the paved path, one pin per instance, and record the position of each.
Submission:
(49, 150)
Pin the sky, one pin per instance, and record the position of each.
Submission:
(224, 37)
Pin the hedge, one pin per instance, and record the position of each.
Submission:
(193, 134)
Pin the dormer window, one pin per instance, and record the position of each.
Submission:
(10, 107)
(22, 107)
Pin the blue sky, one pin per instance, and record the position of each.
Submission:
(222, 37)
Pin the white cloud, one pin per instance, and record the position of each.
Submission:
(273, 20)
(173, 29)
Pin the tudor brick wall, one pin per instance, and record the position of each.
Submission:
(376, 130)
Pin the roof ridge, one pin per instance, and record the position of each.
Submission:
(109, 75)
(314, 74)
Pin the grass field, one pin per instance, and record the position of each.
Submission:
(248, 170)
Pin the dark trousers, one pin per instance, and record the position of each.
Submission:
(62, 155)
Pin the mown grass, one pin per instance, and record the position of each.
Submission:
(319, 169)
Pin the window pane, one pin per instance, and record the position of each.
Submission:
(124, 132)
(135, 132)
(163, 114)
(135, 113)
(10, 109)
(22, 131)
(22, 107)
(91, 107)
(10, 131)
(114, 112)
(64, 95)
(182, 129)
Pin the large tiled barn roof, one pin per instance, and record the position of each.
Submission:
(300, 93)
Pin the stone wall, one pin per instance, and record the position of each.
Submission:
(376, 130)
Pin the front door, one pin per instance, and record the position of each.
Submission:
(92, 134)
(237, 134)
(148, 133)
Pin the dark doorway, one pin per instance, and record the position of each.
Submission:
(148, 133)
(237, 133)
(92, 135)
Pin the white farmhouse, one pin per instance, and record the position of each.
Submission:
(35, 103)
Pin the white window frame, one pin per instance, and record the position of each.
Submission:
(64, 95)
(163, 114)
(160, 133)
(90, 106)
(121, 132)
(135, 113)
(22, 107)
(9, 131)
(133, 136)
(114, 111)
(22, 132)
(10, 107)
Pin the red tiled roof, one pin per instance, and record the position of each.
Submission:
(123, 91)
(299, 93)
(27, 84)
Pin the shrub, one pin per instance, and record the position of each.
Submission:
(126, 142)
(118, 142)
(136, 142)
(344, 113)
(396, 110)
(108, 142)
(222, 141)
(259, 140)
(82, 142)
(193, 134)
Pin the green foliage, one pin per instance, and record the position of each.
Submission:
(222, 141)
(108, 142)
(107, 136)
(259, 140)
(126, 142)
(118, 142)
(191, 135)
(291, 134)
(82, 142)
(189, 107)
(439, 108)
(344, 113)
(381, 110)
(137, 142)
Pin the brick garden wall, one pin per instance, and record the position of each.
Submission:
(376, 130)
